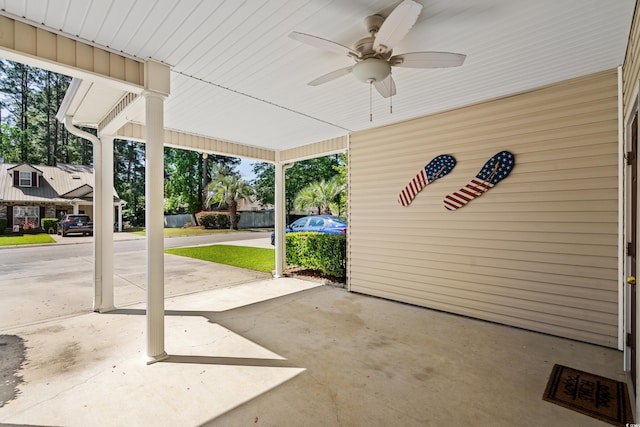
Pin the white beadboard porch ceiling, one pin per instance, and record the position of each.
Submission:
(237, 76)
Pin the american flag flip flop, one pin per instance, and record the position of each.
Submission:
(435, 169)
(495, 170)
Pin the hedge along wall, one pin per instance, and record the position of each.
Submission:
(218, 220)
(318, 251)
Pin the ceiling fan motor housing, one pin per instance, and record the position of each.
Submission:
(371, 70)
(372, 23)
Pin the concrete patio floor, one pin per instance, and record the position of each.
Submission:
(249, 350)
(289, 352)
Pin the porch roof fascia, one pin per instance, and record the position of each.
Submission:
(23, 42)
(116, 123)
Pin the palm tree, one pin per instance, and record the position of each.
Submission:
(228, 189)
(319, 195)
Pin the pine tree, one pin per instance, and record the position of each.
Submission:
(15, 83)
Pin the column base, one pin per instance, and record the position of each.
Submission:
(159, 358)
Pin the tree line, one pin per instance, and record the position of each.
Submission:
(29, 133)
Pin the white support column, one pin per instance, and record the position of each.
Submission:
(120, 218)
(97, 232)
(76, 208)
(280, 217)
(106, 223)
(157, 87)
(154, 219)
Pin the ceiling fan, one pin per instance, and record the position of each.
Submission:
(373, 55)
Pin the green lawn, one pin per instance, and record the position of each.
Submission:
(27, 239)
(259, 259)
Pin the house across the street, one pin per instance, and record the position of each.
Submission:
(29, 193)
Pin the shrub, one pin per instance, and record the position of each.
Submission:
(217, 220)
(3, 224)
(318, 251)
(48, 222)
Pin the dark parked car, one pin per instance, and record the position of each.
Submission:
(318, 223)
(75, 223)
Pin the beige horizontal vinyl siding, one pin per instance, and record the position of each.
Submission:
(322, 148)
(537, 251)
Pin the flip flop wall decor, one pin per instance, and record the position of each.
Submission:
(435, 169)
(494, 170)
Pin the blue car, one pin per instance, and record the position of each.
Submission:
(318, 223)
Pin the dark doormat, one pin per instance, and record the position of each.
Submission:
(592, 395)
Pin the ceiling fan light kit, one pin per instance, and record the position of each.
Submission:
(371, 70)
(373, 55)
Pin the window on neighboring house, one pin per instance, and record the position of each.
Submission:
(25, 179)
(26, 215)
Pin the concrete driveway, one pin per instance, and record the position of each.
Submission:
(35, 290)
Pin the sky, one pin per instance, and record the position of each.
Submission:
(245, 169)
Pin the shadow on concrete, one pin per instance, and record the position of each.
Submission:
(230, 361)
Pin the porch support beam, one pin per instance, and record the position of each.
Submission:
(315, 150)
(117, 117)
(120, 217)
(106, 223)
(97, 230)
(280, 216)
(188, 141)
(20, 41)
(157, 77)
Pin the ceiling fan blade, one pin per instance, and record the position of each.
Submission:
(397, 25)
(324, 44)
(386, 87)
(330, 76)
(428, 60)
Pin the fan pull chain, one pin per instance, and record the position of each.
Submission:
(391, 90)
(370, 100)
